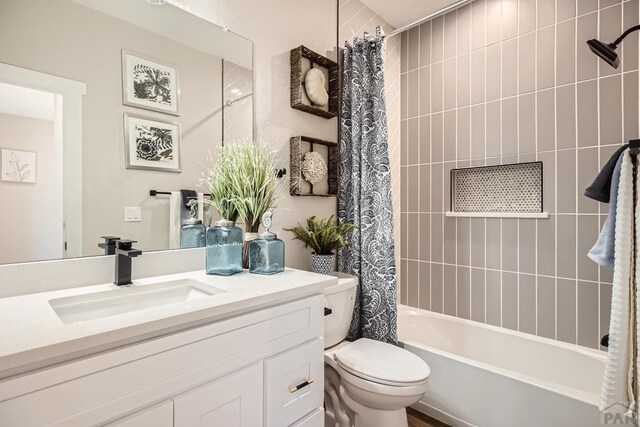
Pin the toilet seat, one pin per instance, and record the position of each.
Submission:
(381, 363)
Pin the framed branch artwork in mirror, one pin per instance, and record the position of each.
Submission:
(151, 144)
(314, 83)
(150, 84)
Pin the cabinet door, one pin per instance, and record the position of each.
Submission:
(231, 401)
(160, 415)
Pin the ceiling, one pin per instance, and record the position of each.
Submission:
(399, 13)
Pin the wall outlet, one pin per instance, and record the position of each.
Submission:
(132, 214)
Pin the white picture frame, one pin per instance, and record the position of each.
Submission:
(18, 166)
(152, 144)
(150, 84)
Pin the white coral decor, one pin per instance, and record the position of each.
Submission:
(314, 167)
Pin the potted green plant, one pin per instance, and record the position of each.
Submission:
(244, 174)
(323, 236)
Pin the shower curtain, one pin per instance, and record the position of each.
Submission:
(364, 196)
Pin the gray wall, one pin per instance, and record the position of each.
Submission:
(502, 82)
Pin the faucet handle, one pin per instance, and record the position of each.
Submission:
(125, 244)
(110, 240)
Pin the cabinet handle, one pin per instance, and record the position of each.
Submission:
(293, 389)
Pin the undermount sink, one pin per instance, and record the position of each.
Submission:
(81, 308)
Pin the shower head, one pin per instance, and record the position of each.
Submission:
(607, 52)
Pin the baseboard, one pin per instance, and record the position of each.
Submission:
(440, 415)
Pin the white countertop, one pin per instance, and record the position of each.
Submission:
(33, 336)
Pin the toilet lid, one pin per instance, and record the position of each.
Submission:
(382, 363)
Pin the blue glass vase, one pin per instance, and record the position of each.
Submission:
(266, 253)
(224, 249)
(192, 234)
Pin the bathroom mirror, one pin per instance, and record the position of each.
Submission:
(101, 102)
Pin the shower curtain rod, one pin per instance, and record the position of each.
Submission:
(435, 14)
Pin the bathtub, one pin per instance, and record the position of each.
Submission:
(486, 376)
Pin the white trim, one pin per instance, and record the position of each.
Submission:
(69, 98)
(497, 214)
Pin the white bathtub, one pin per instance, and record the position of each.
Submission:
(486, 376)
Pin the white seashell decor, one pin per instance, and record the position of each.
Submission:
(314, 167)
(314, 86)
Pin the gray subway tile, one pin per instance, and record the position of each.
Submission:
(587, 166)
(425, 236)
(449, 136)
(404, 225)
(588, 230)
(404, 142)
(547, 246)
(566, 256)
(436, 237)
(630, 46)
(425, 139)
(477, 295)
(630, 94)
(510, 300)
(493, 147)
(567, 181)
(566, 116)
(404, 45)
(477, 242)
(509, 68)
(586, 6)
(464, 133)
(494, 21)
(546, 120)
(566, 319)
(425, 90)
(425, 43)
(546, 12)
(610, 27)
(424, 204)
(549, 185)
(450, 34)
(493, 244)
(413, 53)
(413, 146)
(545, 60)
(477, 24)
(546, 307)
(413, 189)
(437, 39)
(463, 247)
(449, 240)
(477, 76)
(425, 286)
(437, 81)
(526, 16)
(509, 126)
(464, 29)
(509, 19)
(527, 63)
(477, 131)
(436, 187)
(463, 77)
(437, 137)
(413, 238)
(413, 282)
(413, 101)
(493, 70)
(527, 303)
(493, 291)
(586, 61)
(566, 52)
(566, 9)
(449, 290)
(587, 99)
(610, 110)
(403, 95)
(436, 287)
(463, 282)
(527, 246)
(449, 86)
(527, 123)
(510, 244)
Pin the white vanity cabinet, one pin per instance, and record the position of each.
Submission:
(262, 368)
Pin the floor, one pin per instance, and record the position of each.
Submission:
(418, 419)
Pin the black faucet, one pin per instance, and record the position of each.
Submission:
(109, 244)
(124, 253)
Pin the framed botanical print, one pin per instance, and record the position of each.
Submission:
(149, 84)
(151, 144)
(18, 166)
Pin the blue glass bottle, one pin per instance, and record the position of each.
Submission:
(224, 246)
(266, 253)
(192, 234)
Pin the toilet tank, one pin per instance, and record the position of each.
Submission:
(340, 299)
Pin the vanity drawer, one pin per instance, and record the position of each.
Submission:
(315, 419)
(295, 383)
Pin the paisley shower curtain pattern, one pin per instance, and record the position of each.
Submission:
(364, 195)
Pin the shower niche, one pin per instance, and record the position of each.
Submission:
(501, 191)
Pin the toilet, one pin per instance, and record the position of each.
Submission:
(367, 383)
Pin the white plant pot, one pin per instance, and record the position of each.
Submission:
(323, 264)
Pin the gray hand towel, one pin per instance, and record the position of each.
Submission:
(603, 252)
(600, 189)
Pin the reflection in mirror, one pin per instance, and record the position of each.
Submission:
(102, 102)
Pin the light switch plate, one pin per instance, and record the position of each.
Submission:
(132, 214)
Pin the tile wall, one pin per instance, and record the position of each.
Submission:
(504, 81)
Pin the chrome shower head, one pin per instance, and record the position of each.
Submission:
(606, 51)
